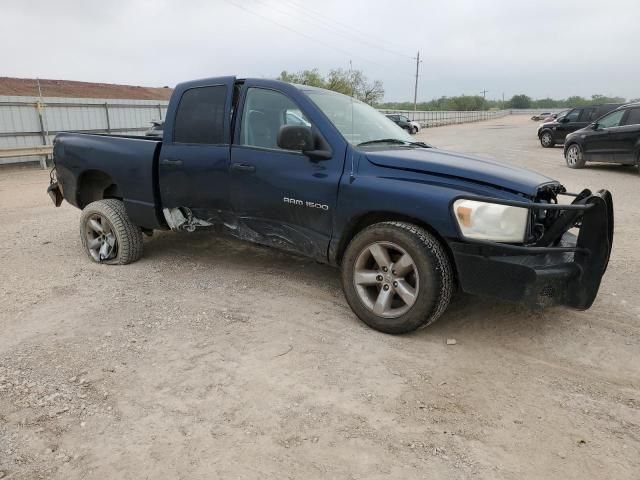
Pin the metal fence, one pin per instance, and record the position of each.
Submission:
(438, 118)
(28, 124)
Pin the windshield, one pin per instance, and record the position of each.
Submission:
(357, 121)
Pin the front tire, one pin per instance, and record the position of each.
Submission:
(546, 140)
(574, 157)
(414, 130)
(107, 234)
(397, 277)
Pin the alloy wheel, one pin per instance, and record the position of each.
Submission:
(101, 241)
(573, 155)
(386, 279)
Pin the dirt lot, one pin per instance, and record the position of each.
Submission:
(210, 358)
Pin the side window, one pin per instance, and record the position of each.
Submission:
(611, 120)
(573, 115)
(295, 117)
(200, 116)
(265, 111)
(587, 114)
(634, 117)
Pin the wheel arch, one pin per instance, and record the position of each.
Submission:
(567, 146)
(545, 130)
(96, 185)
(357, 224)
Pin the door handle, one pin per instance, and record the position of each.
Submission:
(170, 162)
(243, 167)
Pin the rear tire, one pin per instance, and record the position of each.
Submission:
(407, 287)
(574, 157)
(546, 140)
(107, 234)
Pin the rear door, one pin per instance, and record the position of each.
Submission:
(626, 138)
(599, 144)
(281, 198)
(193, 167)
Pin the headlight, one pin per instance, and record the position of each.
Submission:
(491, 221)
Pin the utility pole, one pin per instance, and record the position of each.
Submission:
(415, 91)
(353, 83)
(484, 93)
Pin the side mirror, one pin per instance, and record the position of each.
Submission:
(300, 138)
(295, 137)
(595, 125)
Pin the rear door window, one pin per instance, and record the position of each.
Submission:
(634, 117)
(588, 114)
(200, 116)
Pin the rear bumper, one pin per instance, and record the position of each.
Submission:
(567, 273)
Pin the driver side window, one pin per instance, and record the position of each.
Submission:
(265, 111)
(611, 120)
(573, 115)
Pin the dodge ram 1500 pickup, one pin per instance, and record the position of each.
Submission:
(323, 175)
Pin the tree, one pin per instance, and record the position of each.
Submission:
(349, 82)
(520, 101)
(305, 77)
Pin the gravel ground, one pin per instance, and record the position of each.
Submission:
(211, 358)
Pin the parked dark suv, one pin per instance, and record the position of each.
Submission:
(614, 138)
(554, 132)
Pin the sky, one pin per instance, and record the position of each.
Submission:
(541, 48)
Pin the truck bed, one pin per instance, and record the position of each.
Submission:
(118, 166)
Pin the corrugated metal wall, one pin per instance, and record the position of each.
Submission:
(20, 124)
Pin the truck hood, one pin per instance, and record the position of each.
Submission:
(457, 165)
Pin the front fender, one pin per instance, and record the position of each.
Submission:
(400, 194)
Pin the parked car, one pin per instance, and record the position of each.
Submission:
(403, 122)
(156, 129)
(296, 118)
(614, 138)
(551, 133)
(406, 223)
(553, 116)
(540, 116)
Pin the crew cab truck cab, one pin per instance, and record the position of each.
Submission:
(323, 175)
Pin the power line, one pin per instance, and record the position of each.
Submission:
(286, 27)
(330, 25)
(349, 28)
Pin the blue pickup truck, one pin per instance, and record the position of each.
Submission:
(323, 175)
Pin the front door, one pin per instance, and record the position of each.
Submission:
(280, 198)
(193, 167)
(569, 123)
(599, 145)
(627, 138)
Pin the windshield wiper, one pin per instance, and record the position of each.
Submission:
(394, 141)
(384, 140)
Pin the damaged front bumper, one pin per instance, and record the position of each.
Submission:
(560, 269)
